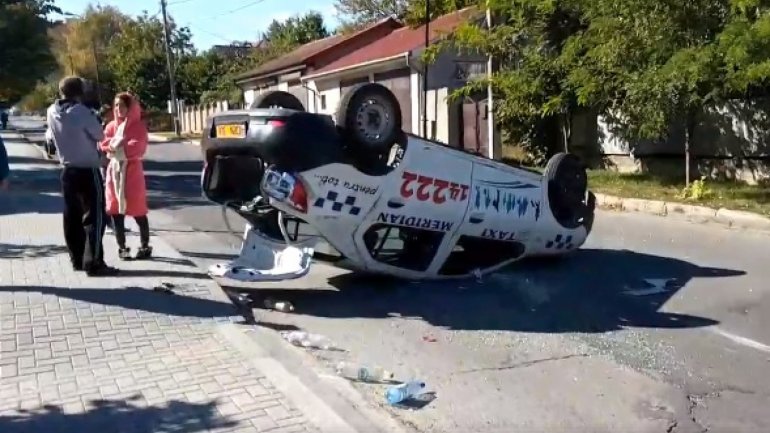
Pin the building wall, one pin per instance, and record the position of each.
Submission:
(446, 121)
(732, 141)
(248, 96)
(328, 97)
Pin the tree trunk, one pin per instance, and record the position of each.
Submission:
(688, 145)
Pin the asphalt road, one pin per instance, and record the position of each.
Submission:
(544, 346)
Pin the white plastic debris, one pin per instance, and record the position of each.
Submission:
(263, 259)
(306, 339)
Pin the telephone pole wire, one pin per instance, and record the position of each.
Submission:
(170, 64)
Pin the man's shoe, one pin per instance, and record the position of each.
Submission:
(77, 266)
(102, 271)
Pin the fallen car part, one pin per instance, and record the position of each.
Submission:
(264, 259)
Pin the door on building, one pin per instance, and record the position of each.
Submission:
(474, 125)
(400, 83)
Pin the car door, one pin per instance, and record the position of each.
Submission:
(422, 204)
(503, 211)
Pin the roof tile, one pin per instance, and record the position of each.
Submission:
(306, 52)
(401, 41)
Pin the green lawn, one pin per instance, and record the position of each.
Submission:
(730, 195)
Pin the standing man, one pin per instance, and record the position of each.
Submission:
(76, 131)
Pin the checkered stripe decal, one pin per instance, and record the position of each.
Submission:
(561, 243)
(338, 206)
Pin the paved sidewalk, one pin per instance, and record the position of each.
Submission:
(85, 355)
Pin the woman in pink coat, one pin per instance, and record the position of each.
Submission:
(125, 143)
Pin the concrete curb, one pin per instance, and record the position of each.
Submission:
(727, 217)
(154, 138)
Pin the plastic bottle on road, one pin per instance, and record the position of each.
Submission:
(305, 339)
(363, 373)
(399, 393)
(282, 306)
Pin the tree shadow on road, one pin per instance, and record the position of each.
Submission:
(14, 251)
(25, 199)
(140, 299)
(582, 293)
(128, 415)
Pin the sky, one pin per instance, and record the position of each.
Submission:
(217, 22)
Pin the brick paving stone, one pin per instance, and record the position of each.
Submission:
(94, 354)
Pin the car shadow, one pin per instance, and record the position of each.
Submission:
(582, 293)
(119, 415)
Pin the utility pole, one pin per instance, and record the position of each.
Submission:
(170, 64)
(491, 141)
(425, 73)
(96, 67)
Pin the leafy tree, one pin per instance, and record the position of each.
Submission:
(40, 98)
(296, 30)
(532, 97)
(80, 44)
(356, 13)
(137, 58)
(414, 14)
(643, 63)
(359, 12)
(25, 55)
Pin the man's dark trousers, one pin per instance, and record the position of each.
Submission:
(84, 214)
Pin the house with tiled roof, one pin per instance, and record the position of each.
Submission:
(395, 61)
(285, 72)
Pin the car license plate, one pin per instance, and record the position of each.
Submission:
(231, 131)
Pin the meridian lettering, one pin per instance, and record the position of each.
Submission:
(416, 222)
(431, 189)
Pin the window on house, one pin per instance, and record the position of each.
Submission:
(323, 102)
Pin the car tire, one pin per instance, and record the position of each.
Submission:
(279, 99)
(567, 187)
(370, 117)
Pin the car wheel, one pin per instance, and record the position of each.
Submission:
(567, 186)
(278, 99)
(370, 116)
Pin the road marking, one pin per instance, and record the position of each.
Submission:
(743, 341)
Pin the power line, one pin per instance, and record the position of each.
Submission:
(248, 5)
(216, 35)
